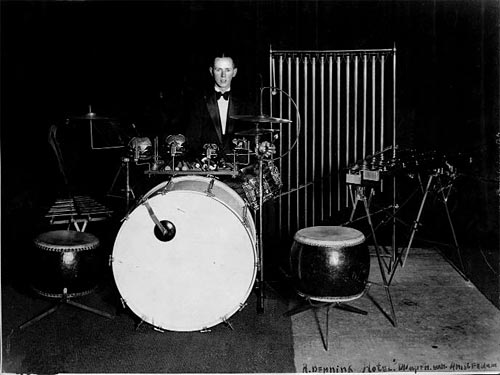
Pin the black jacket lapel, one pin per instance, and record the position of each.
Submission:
(213, 110)
(233, 110)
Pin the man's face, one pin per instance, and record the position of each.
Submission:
(223, 72)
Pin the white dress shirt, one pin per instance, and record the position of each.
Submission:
(223, 108)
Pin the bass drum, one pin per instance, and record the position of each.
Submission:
(203, 272)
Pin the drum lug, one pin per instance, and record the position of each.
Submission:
(167, 188)
(228, 323)
(158, 330)
(245, 215)
(210, 187)
(124, 305)
(205, 330)
(242, 306)
(139, 324)
(110, 260)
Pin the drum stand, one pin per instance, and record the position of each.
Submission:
(65, 299)
(337, 303)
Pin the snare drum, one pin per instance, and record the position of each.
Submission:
(271, 185)
(330, 263)
(201, 276)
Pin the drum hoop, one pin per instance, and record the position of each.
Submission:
(241, 217)
(163, 185)
(59, 295)
(334, 299)
(330, 243)
(91, 244)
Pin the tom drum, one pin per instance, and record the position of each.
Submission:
(330, 263)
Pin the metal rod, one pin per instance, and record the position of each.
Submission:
(322, 153)
(338, 133)
(355, 108)
(347, 118)
(382, 78)
(313, 208)
(365, 77)
(394, 102)
(382, 103)
(306, 202)
(297, 176)
(260, 305)
(280, 205)
(394, 245)
(347, 112)
(289, 178)
(330, 133)
(373, 105)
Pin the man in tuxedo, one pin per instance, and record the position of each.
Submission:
(209, 117)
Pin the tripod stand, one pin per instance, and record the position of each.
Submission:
(129, 193)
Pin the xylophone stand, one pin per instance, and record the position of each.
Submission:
(433, 184)
(360, 196)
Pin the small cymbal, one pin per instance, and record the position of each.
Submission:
(260, 118)
(254, 132)
(90, 116)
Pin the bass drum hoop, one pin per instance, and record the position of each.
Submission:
(247, 236)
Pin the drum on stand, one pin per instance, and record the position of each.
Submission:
(202, 274)
(65, 260)
(329, 263)
(271, 185)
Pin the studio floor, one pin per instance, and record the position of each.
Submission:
(443, 324)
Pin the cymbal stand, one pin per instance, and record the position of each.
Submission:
(129, 193)
(262, 151)
(260, 242)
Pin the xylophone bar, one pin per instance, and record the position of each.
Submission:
(76, 211)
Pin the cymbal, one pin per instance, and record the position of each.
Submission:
(260, 118)
(254, 132)
(90, 116)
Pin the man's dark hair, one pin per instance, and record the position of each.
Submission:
(224, 53)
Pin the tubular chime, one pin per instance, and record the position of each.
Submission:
(346, 101)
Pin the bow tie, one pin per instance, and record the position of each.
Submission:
(225, 95)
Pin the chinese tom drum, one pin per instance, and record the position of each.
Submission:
(65, 263)
(330, 263)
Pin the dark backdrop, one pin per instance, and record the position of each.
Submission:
(128, 59)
